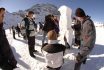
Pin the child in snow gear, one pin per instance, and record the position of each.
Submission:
(88, 37)
(28, 30)
(77, 29)
(7, 59)
(53, 52)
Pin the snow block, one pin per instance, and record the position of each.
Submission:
(65, 24)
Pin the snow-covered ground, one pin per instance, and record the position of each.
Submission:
(95, 60)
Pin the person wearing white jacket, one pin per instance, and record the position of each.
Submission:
(53, 52)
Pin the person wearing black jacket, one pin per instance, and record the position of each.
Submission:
(77, 28)
(13, 30)
(7, 59)
(48, 25)
(18, 30)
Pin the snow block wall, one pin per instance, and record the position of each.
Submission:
(65, 25)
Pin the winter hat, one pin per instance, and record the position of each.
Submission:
(52, 35)
(80, 12)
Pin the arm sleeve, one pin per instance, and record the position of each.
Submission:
(87, 38)
(23, 27)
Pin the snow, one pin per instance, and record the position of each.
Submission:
(19, 47)
(11, 19)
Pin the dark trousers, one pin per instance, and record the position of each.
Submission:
(78, 42)
(13, 34)
(31, 44)
(44, 36)
(19, 34)
(49, 68)
(77, 66)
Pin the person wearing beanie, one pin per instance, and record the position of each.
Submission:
(53, 52)
(88, 37)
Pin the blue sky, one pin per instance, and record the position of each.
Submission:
(93, 8)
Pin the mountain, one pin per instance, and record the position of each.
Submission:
(40, 10)
(11, 19)
(44, 9)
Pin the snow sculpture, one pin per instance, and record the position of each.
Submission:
(65, 25)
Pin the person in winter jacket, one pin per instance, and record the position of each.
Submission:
(13, 30)
(28, 30)
(77, 29)
(7, 59)
(40, 28)
(56, 25)
(48, 25)
(18, 30)
(88, 36)
(53, 52)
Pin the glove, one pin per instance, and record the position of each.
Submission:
(65, 39)
(24, 34)
(84, 61)
(79, 57)
(72, 27)
(24, 37)
(17, 68)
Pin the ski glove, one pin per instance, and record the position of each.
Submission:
(79, 57)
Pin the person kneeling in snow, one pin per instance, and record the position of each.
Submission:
(53, 52)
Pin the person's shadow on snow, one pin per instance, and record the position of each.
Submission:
(17, 56)
(39, 37)
(24, 41)
(39, 57)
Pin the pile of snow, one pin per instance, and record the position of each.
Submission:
(98, 24)
(65, 24)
